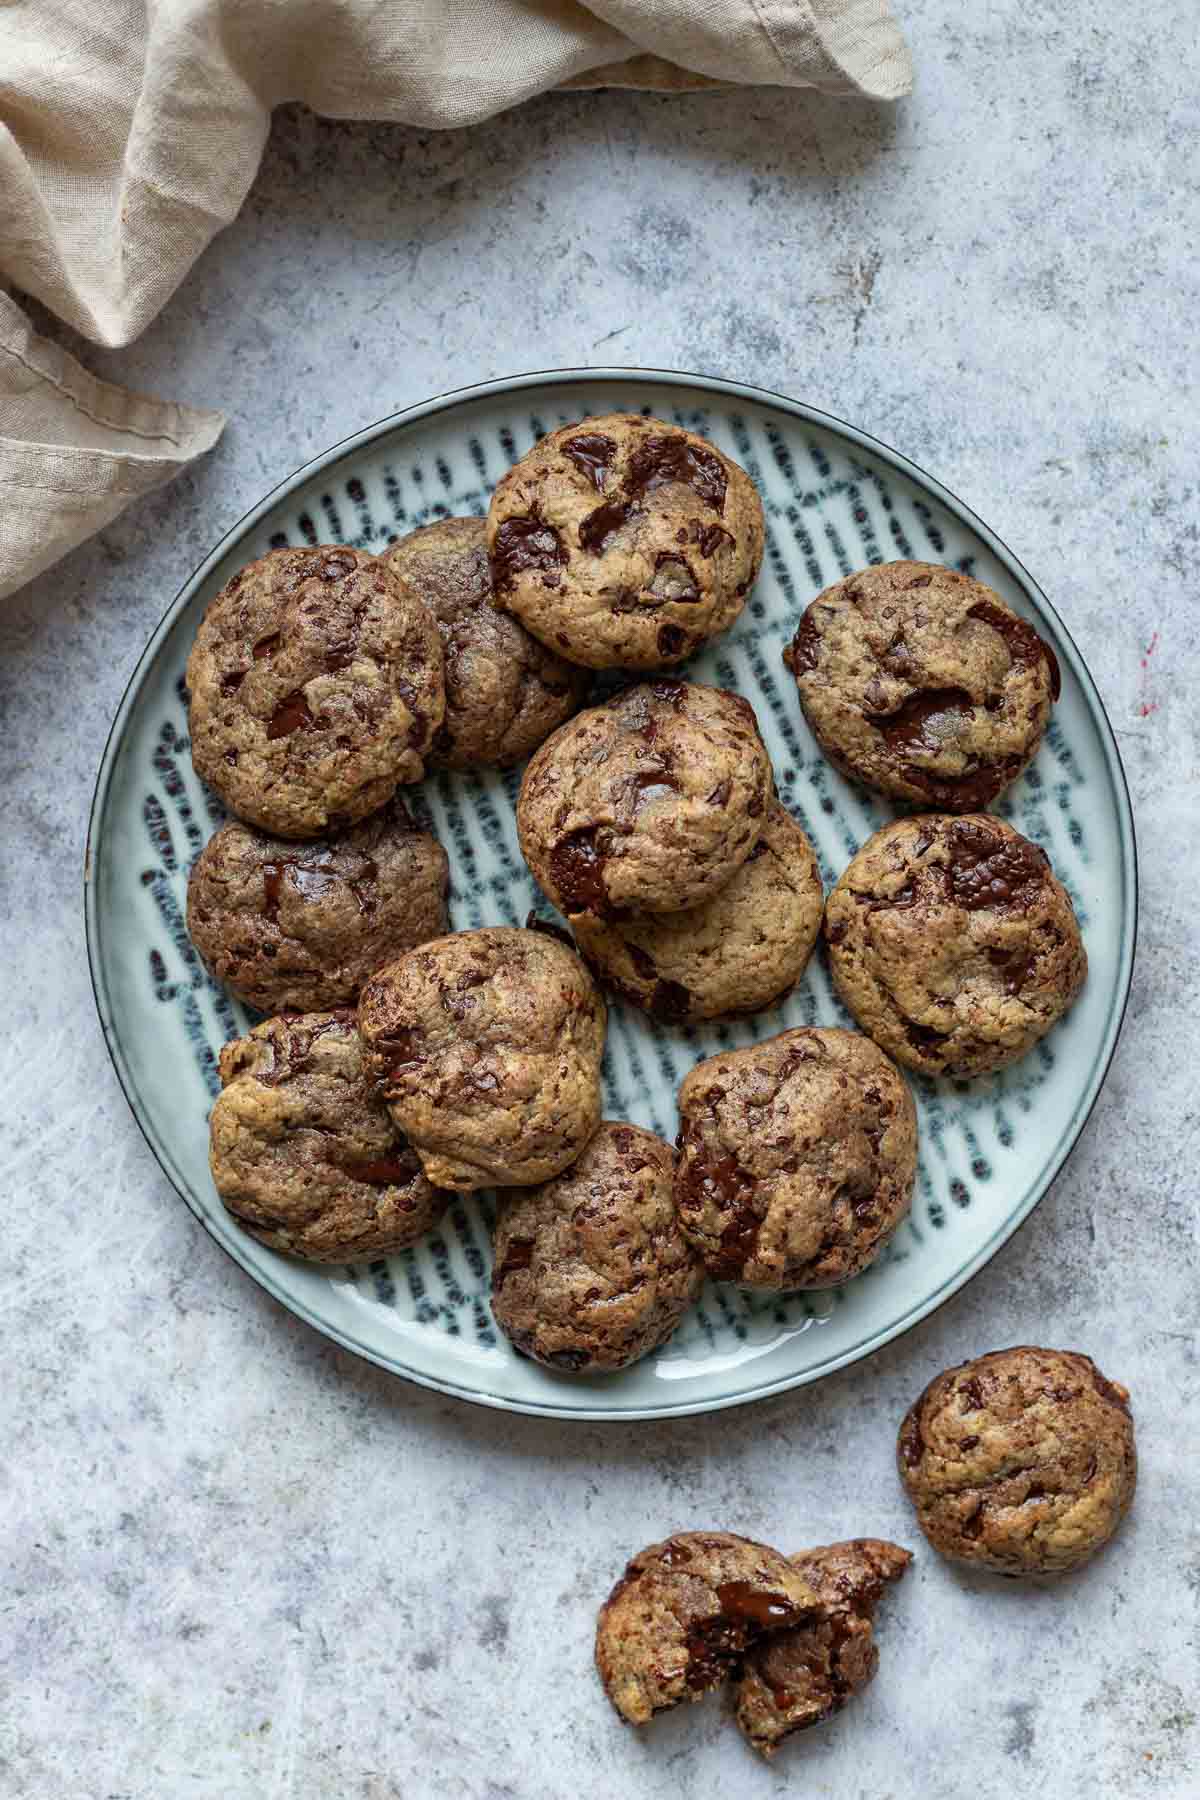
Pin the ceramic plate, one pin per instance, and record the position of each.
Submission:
(835, 500)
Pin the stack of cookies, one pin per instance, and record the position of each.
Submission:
(405, 1063)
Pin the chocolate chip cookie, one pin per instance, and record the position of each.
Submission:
(952, 943)
(796, 1159)
(303, 1153)
(486, 1046)
(505, 692)
(685, 1611)
(590, 1270)
(1022, 1461)
(737, 953)
(919, 681)
(795, 1679)
(648, 804)
(316, 688)
(624, 542)
(289, 926)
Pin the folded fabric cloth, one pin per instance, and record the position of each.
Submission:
(130, 134)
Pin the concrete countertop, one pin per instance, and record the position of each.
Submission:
(239, 1562)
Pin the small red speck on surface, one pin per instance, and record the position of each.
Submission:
(1151, 647)
(1147, 707)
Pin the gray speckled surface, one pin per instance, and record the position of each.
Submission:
(238, 1562)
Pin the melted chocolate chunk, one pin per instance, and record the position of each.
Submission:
(1024, 645)
(912, 1444)
(577, 865)
(592, 453)
(671, 640)
(768, 1611)
(527, 543)
(659, 460)
(988, 870)
(721, 1181)
(720, 797)
(397, 1168)
(1018, 966)
(651, 785)
(804, 652)
(232, 682)
(603, 524)
(925, 721)
(519, 1255)
(266, 647)
(709, 539)
(290, 715)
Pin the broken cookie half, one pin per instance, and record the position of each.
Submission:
(704, 1606)
(800, 1677)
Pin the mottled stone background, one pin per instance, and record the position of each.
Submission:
(240, 1563)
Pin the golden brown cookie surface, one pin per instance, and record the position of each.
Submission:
(486, 1046)
(303, 1153)
(796, 1158)
(590, 1270)
(952, 943)
(288, 926)
(1022, 1461)
(737, 953)
(625, 542)
(316, 688)
(648, 804)
(505, 691)
(918, 681)
(685, 1611)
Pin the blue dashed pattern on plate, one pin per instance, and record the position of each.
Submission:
(834, 502)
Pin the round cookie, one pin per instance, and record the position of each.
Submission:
(796, 1679)
(625, 542)
(648, 804)
(952, 943)
(685, 1611)
(590, 1270)
(315, 687)
(302, 1152)
(486, 1046)
(505, 692)
(796, 1158)
(918, 681)
(1022, 1461)
(737, 953)
(289, 926)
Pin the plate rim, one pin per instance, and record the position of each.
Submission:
(905, 466)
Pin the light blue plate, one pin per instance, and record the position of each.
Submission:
(835, 500)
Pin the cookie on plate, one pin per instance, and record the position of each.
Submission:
(590, 1270)
(796, 1160)
(952, 943)
(486, 1046)
(302, 1152)
(738, 953)
(796, 1679)
(1022, 1461)
(505, 692)
(316, 688)
(648, 804)
(684, 1613)
(625, 542)
(918, 681)
(288, 926)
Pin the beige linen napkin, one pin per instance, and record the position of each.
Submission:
(130, 134)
